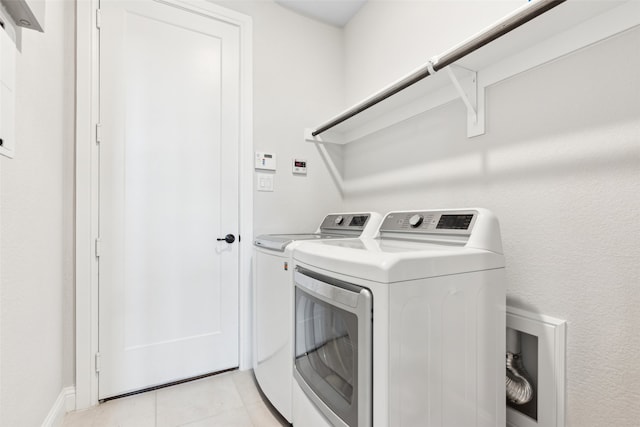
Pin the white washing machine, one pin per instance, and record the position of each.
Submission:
(406, 329)
(273, 301)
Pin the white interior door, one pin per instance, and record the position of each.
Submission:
(169, 105)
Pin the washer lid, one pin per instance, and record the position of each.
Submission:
(278, 242)
(394, 260)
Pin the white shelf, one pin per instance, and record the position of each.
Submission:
(566, 28)
(26, 13)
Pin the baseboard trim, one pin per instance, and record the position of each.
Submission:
(66, 402)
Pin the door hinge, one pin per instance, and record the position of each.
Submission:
(98, 247)
(98, 356)
(98, 133)
(98, 18)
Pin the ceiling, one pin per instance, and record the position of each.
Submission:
(334, 12)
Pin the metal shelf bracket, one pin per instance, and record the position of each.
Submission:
(466, 83)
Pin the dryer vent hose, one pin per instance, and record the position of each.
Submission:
(519, 388)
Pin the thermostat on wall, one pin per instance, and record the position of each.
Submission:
(265, 161)
(299, 166)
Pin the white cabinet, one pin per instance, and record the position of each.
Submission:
(7, 94)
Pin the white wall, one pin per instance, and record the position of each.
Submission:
(559, 165)
(298, 77)
(36, 199)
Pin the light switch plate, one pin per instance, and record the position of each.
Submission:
(265, 181)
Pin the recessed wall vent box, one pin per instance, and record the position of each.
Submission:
(26, 13)
(541, 340)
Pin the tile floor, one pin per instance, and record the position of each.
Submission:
(231, 399)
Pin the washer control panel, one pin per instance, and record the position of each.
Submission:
(430, 222)
(355, 222)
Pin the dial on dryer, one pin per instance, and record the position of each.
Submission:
(416, 220)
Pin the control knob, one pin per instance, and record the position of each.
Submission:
(339, 220)
(416, 220)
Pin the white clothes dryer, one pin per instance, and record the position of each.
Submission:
(406, 329)
(273, 301)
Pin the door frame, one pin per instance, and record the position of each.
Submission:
(87, 181)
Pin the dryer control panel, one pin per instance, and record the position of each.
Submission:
(430, 222)
(344, 222)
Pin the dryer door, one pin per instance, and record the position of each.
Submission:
(333, 343)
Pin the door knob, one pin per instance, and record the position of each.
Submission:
(229, 238)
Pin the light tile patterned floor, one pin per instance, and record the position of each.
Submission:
(231, 399)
